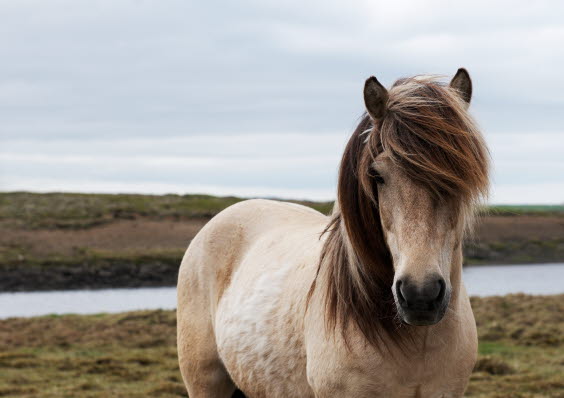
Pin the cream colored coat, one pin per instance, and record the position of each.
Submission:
(242, 319)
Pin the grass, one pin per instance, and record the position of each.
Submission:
(90, 257)
(520, 251)
(475, 253)
(521, 210)
(125, 355)
(65, 240)
(73, 210)
(91, 269)
(133, 354)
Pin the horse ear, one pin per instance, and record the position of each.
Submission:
(462, 83)
(375, 98)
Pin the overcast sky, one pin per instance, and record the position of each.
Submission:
(258, 98)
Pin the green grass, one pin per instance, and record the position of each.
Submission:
(475, 253)
(518, 210)
(521, 352)
(73, 210)
(125, 355)
(520, 251)
(92, 257)
(70, 210)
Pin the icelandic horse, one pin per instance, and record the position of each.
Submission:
(278, 300)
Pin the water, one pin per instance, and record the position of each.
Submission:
(480, 281)
(86, 301)
(497, 280)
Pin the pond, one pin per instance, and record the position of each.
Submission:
(480, 281)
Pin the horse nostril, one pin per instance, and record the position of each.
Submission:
(442, 290)
(399, 294)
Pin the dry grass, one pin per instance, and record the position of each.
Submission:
(134, 354)
(125, 355)
(92, 240)
(497, 239)
(77, 211)
(521, 347)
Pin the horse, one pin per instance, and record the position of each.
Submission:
(278, 300)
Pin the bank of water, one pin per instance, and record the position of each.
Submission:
(540, 279)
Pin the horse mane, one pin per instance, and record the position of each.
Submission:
(428, 132)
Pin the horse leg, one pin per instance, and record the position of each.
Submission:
(202, 370)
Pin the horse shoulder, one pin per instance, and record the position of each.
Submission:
(218, 249)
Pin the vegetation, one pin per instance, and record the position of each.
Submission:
(92, 269)
(521, 210)
(520, 251)
(134, 354)
(521, 347)
(73, 210)
(90, 257)
(73, 241)
(59, 241)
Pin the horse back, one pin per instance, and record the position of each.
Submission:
(218, 249)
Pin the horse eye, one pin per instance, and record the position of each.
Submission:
(379, 179)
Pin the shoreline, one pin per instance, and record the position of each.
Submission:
(64, 241)
(116, 274)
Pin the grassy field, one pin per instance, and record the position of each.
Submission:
(134, 354)
(70, 241)
(71, 210)
(54, 241)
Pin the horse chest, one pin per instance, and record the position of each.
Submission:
(365, 372)
(258, 336)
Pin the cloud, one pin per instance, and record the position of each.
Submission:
(526, 168)
(108, 86)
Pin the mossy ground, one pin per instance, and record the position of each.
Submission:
(99, 240)
(77, 210)
(134, 354)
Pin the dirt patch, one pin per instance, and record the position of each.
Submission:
(147, 252)
(145, 234)
(500, 228)
(123, 235)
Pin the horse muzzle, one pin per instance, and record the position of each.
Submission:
(422, 304)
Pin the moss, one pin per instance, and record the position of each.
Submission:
(98, 258)
(134, 354)
(520, 210)
(72, 210)
(493, 366)
(515, 251)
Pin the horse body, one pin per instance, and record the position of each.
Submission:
(254, 311)
(260, 332)
(278, 300)
(252, 265)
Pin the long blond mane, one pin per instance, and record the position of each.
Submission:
(429, 134)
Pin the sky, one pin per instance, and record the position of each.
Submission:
(258, 98)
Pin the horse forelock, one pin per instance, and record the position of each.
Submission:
(428, 133)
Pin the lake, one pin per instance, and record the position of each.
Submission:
(480, 281)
